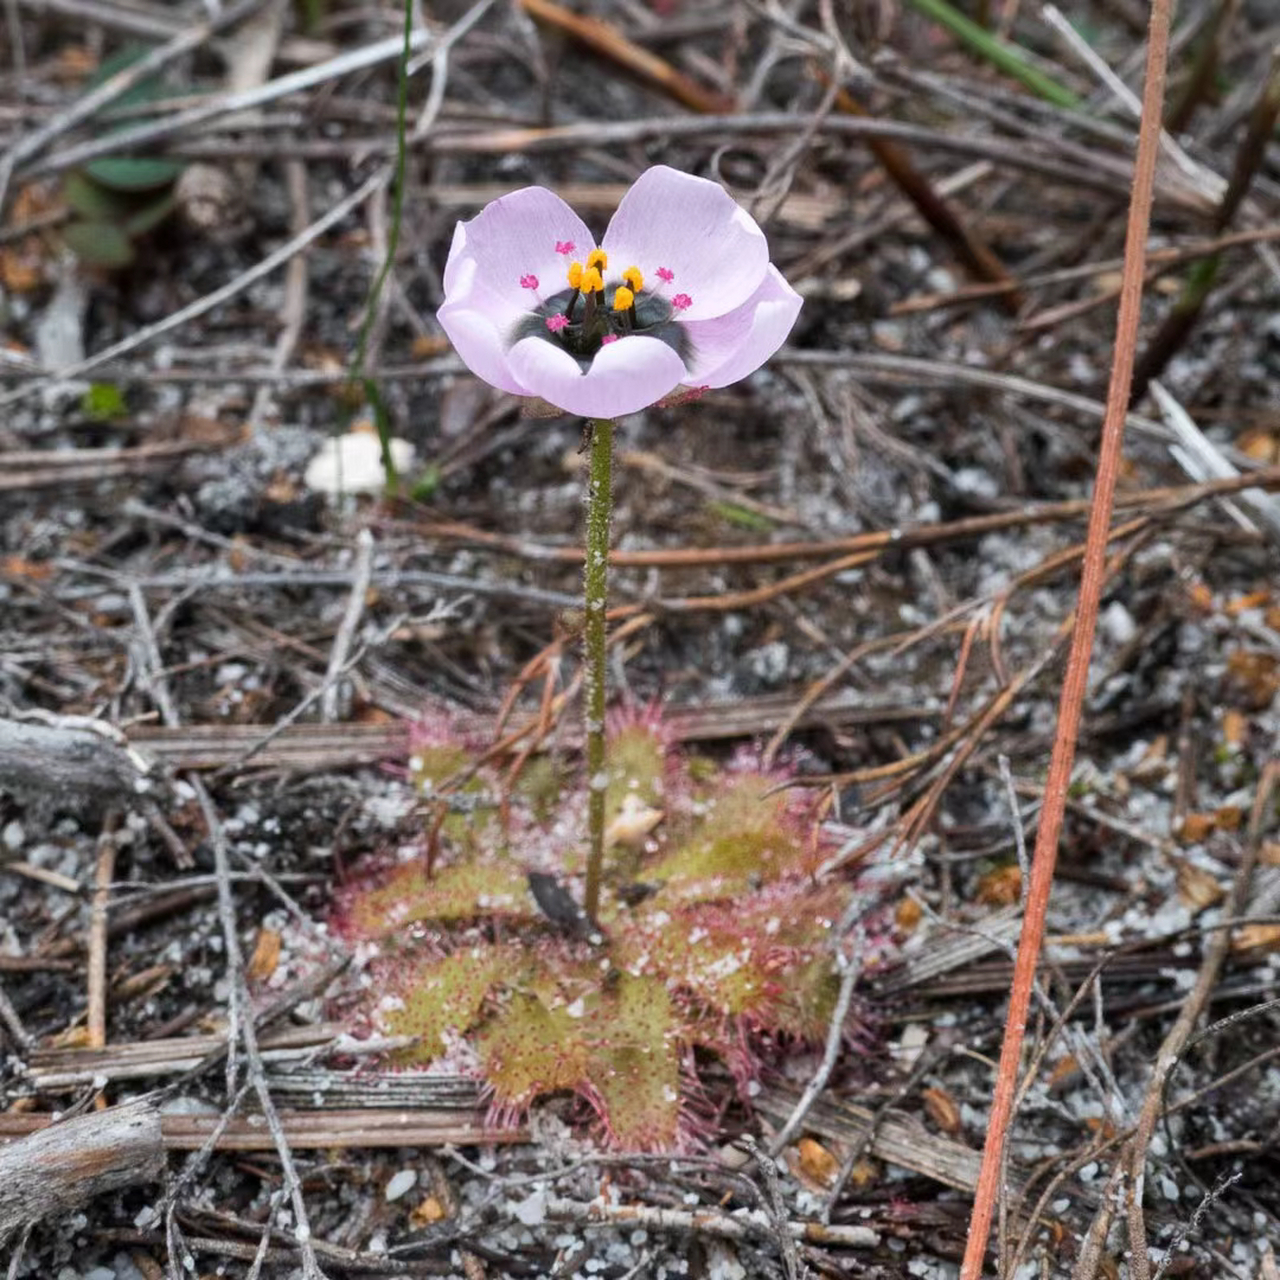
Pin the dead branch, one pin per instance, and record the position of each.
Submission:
(362, 1129)
(71, 763)
(59, 1168)
(705, 1222)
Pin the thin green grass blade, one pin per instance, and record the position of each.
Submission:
(1004, 56)
(372, 393)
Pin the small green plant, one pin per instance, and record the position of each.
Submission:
(116, 200)
(713, 936)
(104, 402)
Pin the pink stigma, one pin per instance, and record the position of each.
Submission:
(564, 246)
(529, 282)
(608, 338)
(681, 301)
(556, 323)
(665, 274)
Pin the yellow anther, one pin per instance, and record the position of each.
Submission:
(592, 280)
(575, 275)
(633, 277)
(598, 258)
(623, 298)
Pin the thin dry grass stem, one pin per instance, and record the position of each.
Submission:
(962, 665)
(1215, 955)
(242, 1029)
(202, 306)
(1089, 169)
(1204, 68)
(977, 725)
(994, 646)
(698, 479)
(92, 103)
(705, 1222)
(731, 601)
(604, 39)
(1179, 324)
(96, 968)
(11, 1022)
(1076, 679)
(549, 708)
(546, 665)
(1159, 261)
(815, 691)
(977, 257)
(1165, 498)
(344, 637)
(536, 668)
(850, 970)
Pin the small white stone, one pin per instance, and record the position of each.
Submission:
(532, 1210)
(352, 464)
(401, 1184)
(1118, 623)
(13, 836)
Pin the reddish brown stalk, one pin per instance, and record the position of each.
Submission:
(1077, 673)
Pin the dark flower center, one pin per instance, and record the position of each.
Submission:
(591, 322)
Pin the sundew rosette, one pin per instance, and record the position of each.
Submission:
(678, 293)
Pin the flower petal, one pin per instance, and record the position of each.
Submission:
(695, 229)
(731, 346)
(625, 376)
(516, 236)
(479, 324)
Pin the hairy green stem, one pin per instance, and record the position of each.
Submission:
(595, 582)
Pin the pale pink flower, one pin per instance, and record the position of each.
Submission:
(733, 311)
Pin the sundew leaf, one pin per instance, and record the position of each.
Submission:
(745, 838)
(541, 785)
(464, 891)
(637, 767)
(529, 1050)
(445, 995)
(432, 766)
(722, 940)
(806, 1000)
(635, 1068)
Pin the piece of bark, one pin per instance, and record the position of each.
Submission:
(71, 767)
(62, 1167)
(357, 1129)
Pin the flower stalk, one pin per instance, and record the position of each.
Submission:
(595, 581)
